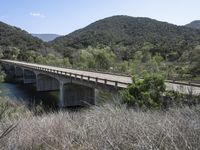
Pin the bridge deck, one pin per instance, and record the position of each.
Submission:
(104, 78)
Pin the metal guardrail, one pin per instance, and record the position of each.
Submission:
(116, 84)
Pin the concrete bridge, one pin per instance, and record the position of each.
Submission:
(76, 87)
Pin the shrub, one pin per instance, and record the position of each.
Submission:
(147, 92)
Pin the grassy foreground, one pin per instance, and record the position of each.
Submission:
(104, 127)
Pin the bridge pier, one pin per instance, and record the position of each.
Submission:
(77, 95)
(61, 96)
(19, 74)
(29, 76)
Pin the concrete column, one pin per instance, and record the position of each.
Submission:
(23, 75)
(78, 95)
(15, 72)
(61, 98)
(37, 80)
(29, 76)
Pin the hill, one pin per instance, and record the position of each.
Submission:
(46, 37)
(13, 36)
(194, 24)
(126, 35)
(15, 41)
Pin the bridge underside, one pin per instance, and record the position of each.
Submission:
(47, 83)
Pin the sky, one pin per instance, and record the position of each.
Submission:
(65, 16)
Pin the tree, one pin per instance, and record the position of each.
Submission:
(11, 53)
(145, 51)
(101, 58)
(195, 70)
(1, 52)
(85, 60)
(145, 92)
(53, 60)
(104, 58)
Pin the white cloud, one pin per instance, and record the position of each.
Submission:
(39, 15)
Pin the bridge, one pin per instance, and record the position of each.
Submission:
(76, 87)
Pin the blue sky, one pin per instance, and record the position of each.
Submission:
(65, 16)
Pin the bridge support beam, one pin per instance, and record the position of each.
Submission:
(76, 95)
(19, 72)
(61, 98)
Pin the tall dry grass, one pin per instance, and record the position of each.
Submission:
(106, 127)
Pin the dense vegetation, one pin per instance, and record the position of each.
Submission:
(194, 24)
(17, 44)
(147, 92)
(126, 35)
(15, 37)
(151, 92)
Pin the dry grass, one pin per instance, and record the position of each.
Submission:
(106, 127)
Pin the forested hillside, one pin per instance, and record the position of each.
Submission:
(126, 35)
(195, 24)
(18, 44)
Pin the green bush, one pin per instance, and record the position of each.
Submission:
(147, 92)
